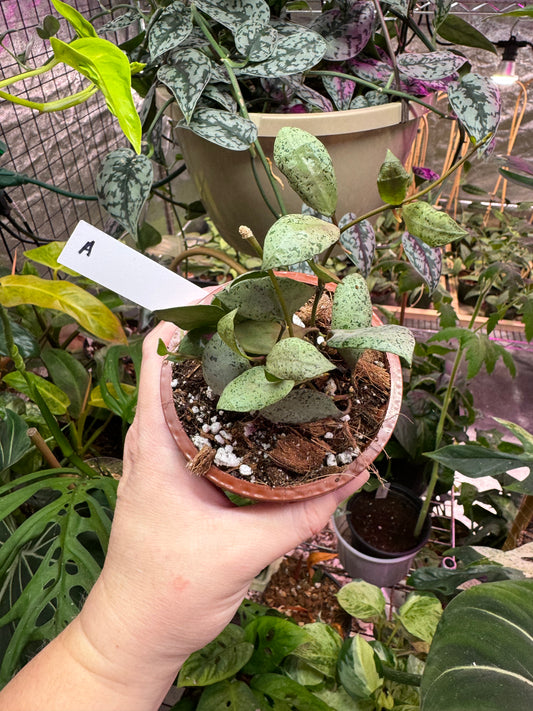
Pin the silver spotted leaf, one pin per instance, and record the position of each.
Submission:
(257, 337)
(358, 241)
(256, 298)
(233, 13)
(302, 405)
(224, 98)
(425, 259)
(121, 22)
(255, 41)
(309, 96)
(308, 167)
(220, 364)
(476, 103)
(252, 391)
(226, 130)
(432, 226)
(401, 6)
(346, 30)
(430, 66)
(123, 185)
(296, 359)
(295, 238)
(441, 10)
(172, 27)
(293, 54)
(340, 90)
(226, 331)
(352, 307)
(388, 339)
(393, 180)
(186, 78)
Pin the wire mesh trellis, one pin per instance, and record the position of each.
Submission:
(63, 148)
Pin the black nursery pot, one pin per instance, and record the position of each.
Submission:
(383, 527)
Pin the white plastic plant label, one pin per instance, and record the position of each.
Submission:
(114, 265)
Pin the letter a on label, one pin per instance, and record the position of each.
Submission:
(87, 247)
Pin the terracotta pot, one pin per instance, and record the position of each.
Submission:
(261, 492)
(356, 139)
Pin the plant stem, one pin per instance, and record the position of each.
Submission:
(49, 107)
(286, 314)
(30, 73)
(208, 252)
(401, 677)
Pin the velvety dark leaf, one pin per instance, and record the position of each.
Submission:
(69, 375)
(425, 259)
(474, 460)
(188, 317)
(27, 344)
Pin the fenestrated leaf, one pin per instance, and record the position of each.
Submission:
(252, 391)
(123, 185)
(172, 27)
(393, 180)
(226, 130)
(476, 102)
(362, 600)
(233, 13)
(322, 650)
(352, 307)
(357, 668)
(257, 336)
(477, 659)
(186, 78)
(218, 660)
(14, 441)
(302, 405)
(308, 167)
(293, 54)
(429, 66)
(256, 298)
(345, 30)
(389, 339)
(109, 69)
(188, 317)
(255, 40)
(457, 30)
(432, 226)
(425, 259)
(50, 562)
(295, 238)
(47, 255)
(53, 396)
(69, 375)
(296, 359)
(359, 241)
(221, 365)
(91, 314)
(420, 614)
(25, 341)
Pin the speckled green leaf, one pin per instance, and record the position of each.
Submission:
(352, 307)
(233, 13)
(257, 300)
(476, 102)
(359, 241)
(123, 185)
(296, 359)
(187, 317)
(255, 40)
(388, 339)
(172, 27)
(307, 165)
(393, 180)
(226, 130)
(429, 66)
(220, 365)
(302, 405)
(425, 259)
(53, 396)
(226, 331)
(292, 55)
(186, 78)
(295, 238)
(457, 30)
(432, 226)
(257, 337)
(346, 30)
(252, 391)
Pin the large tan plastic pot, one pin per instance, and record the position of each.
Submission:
(357, 141)
(261, 492)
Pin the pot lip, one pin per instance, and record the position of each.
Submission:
(357, 470)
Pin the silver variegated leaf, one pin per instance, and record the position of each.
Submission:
(256, 298)
(296, 359)
(255, 41)
(252, 391)
(430, 66)
(233, 13)
(302, 405)
(123, 185)
(359, 241)
(373, 70)
(295, 238)
(170, 30)
(308, 95)
(226, 331)
(476, 103)
(120, 23)
(388, 339)
(219, 75)
(220, 364)
(224, 98)
(400, 6)
(441, 9)
(425, 259)
(225, 129)
(186, 78)
(340, 90)
(352, 307)
(293, 54)
(345, 30)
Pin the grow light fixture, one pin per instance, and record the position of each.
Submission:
(505, 74)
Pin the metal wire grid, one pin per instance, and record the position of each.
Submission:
(64, 148)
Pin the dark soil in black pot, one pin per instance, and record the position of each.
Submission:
(384, 527)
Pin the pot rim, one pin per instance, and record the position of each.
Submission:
(357, 470)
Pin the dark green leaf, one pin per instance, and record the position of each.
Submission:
(456, 30)
(288, 695)
(69, 375)
(474, 460)
(221, 365)
(188, 317)
(186, 78)
(302, 405)
(14, 440)
(273, 639)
